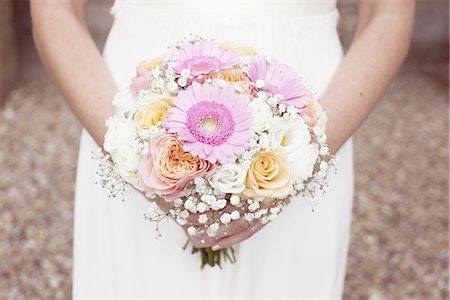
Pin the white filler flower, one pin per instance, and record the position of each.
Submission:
(120, 132)
(127, 159)
(261, 113)
(124, 102)
(293, 136)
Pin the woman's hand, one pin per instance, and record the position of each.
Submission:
(203, 240)
(230, 234)
(250, 230)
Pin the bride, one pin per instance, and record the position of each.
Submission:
(301, 255)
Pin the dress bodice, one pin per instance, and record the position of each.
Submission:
(283, 7)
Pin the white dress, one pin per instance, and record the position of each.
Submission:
(301, 255)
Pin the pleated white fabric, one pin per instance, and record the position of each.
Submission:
(301, 255)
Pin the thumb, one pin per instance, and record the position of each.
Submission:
(234, 239)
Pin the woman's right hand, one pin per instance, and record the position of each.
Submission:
(203, 240)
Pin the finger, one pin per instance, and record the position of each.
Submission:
(231, 240)
(211, 215)
(193, 219)
(206, 244)
(164, 206)
(232, 228)
(201, 241)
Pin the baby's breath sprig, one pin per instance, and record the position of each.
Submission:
(108, 178)
(155, 215)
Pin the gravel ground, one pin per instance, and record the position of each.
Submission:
(399, 246)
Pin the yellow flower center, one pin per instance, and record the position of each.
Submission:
(209, 125)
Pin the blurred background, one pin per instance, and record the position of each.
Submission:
(400, 237)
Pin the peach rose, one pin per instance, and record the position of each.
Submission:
(143, 71)
(242, 50)
(312, 112)
(166, 169)
(153, 113)
(146, 67)
(269, 176)
(232, 76)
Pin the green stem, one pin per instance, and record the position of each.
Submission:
(213, 258)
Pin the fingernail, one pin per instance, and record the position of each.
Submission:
(216, 247)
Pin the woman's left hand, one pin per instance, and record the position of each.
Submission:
(239, 237)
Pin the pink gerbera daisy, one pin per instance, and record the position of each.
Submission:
(278, 78)
(203, 57)
(213, 122)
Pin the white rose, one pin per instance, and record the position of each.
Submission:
(120, 132)
(125, 103)
(126, 160)
(293, 136)
(261, 113)
(229, 178)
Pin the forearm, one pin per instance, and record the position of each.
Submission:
(380, 45)
(74, 63)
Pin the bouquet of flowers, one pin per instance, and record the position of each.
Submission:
(218, 131)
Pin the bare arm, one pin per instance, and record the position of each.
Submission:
(74, 62)
(378, 49)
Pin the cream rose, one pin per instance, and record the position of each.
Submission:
(153, 113)
(269, 176)
(145, 68)
(150, 96)
(229, 178)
